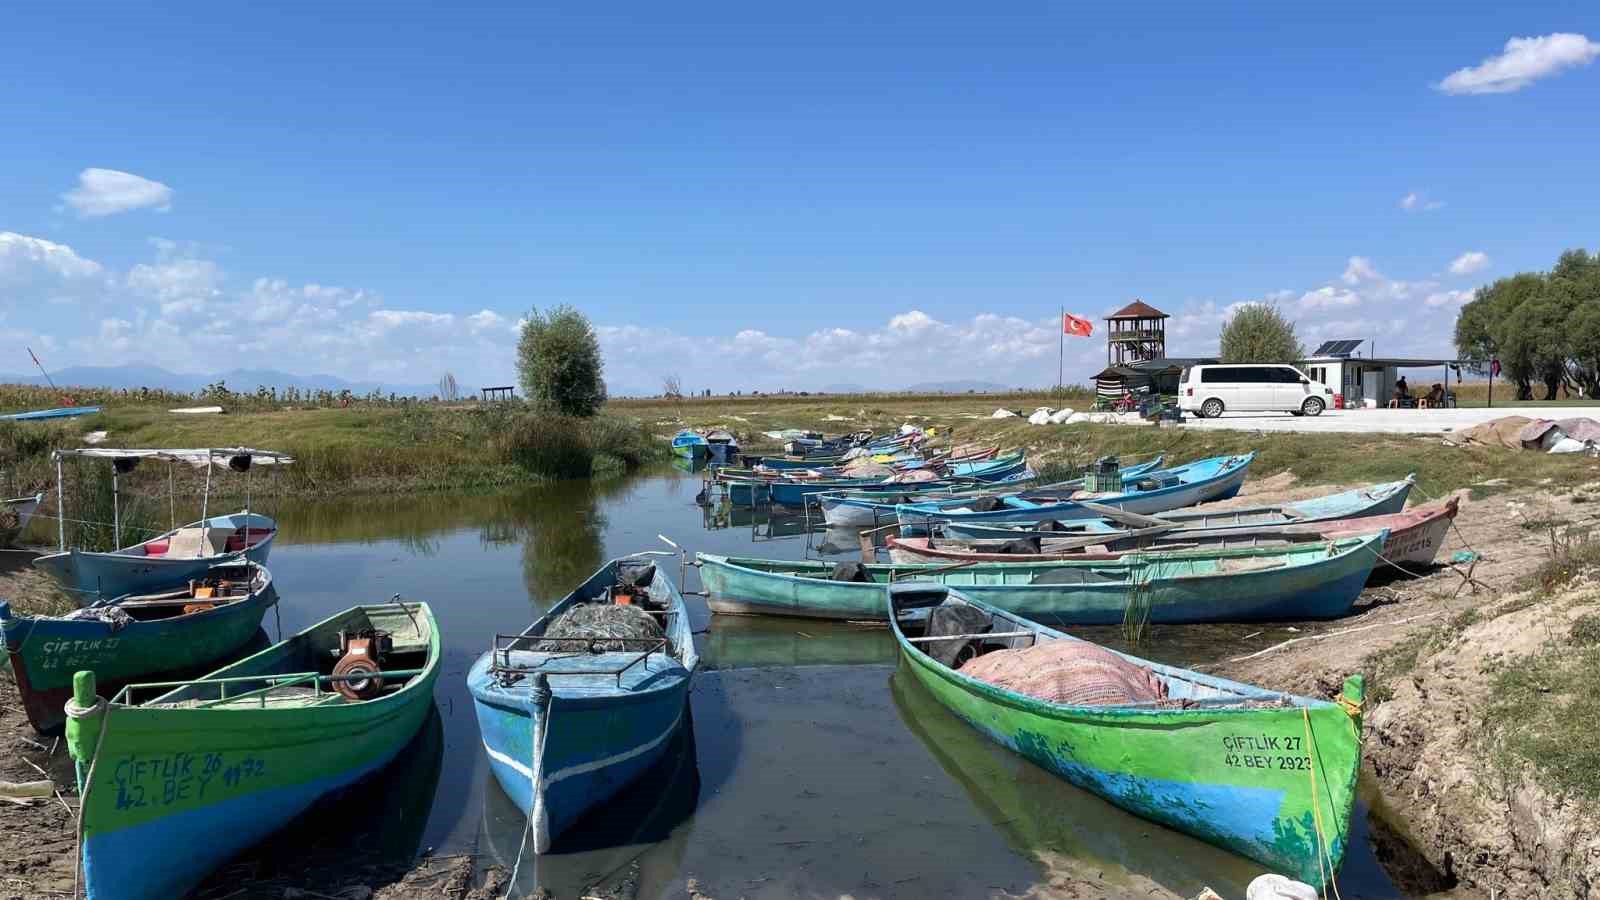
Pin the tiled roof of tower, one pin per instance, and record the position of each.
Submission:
(1138, 309)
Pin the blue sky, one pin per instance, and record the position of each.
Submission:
(760, 198)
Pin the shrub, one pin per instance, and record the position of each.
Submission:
(558, 362)
(1259, 333)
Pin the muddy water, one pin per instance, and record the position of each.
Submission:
(813, 769)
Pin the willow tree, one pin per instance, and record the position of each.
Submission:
(1259, 333)
(559, 364)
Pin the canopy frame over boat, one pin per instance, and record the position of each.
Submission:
(123, 461)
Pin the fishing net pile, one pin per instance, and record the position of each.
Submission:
(1069, 672)
(597, 622)
(114, 616)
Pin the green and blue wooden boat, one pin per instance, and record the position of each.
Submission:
(137, 636)
(1319, 580)
(691, 446)
(178, 777)
(1270, 776)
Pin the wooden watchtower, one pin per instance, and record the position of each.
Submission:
(1135, 333)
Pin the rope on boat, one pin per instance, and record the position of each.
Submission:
(74, 711)
(540, 695)
(1325, 864)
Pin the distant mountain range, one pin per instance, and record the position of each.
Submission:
(957, 387)
(238, 380)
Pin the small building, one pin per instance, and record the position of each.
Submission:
(1167, 371)
(1359, 378)
(1114, 381)
(1135, 333)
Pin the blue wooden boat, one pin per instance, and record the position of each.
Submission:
(1315, 580)
(64, 412)
(170, 559)
(567, 726)
(134, 636)
(1216, 478)
(1378, 500)
(165, 560)
(794, 491)
(691, 445)
(871, 508)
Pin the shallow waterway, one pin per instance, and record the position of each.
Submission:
(812, 769)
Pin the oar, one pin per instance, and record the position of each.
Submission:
(1125, 517)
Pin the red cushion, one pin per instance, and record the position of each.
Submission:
(156, 548)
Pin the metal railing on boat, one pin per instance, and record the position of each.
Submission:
(509, 672)
(317, 680)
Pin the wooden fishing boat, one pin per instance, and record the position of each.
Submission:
(1217, 478)
(722, 447)
(690, 445)
(216, 764)
(566, 722)
(1267, 775)
(15, 514)
(135, 636)
(61, 412)
(1319, 580)
(1415, 535)
(170, 559)
(1158, 539)
(1377, 500)
(871, 508)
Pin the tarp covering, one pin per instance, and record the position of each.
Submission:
(198, 457)
(1071, 672)
(915, 475)
(1502, 432)
(1579, 429)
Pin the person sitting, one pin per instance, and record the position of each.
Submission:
(1435, 397)
(1402, 396)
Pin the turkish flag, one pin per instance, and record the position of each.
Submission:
(1076, 325)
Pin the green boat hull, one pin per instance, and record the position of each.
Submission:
(1311, 581)
(1276, 784)
(214, 779)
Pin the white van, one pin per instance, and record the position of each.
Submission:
(1208, 391)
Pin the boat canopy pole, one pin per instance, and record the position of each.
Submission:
(172, 501)
(116, 508)
(205, 503)
(61, 511)
(248, 474)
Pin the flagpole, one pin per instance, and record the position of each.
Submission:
(1061, 350)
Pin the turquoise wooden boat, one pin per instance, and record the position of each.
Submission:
(167, 560)
(1318, 580)
(135, 636)
(691, 446)
(1267, 775)
(61, 412)
(871, 508)
(565, 729)
(1202, 481)
(178, 777)
(163, 561)
(1378, 500)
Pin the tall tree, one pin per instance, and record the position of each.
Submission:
(559, 363)
(1259, 333)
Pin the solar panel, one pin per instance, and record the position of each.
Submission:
(1338, 348)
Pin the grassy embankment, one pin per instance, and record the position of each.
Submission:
(365, 448)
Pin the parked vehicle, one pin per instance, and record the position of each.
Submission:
(1209, 391)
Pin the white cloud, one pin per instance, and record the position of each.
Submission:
(1329, 296)
(1418, 202)
(1467, 263)
(106, 192)
(1360, 269)
(1448, 298)
(19, 252)
(182, 287)
(1523, 61)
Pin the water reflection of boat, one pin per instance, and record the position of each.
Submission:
(684, 464)
(603, 843)
(1053, 822)
(747, 642)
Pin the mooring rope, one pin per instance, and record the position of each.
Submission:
(539, 692)
(1325, 866)
(73, 711)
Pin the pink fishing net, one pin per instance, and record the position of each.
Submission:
(1070, 672)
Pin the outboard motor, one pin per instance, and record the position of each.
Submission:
(361, 655)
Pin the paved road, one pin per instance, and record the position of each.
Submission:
(1393, 421)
